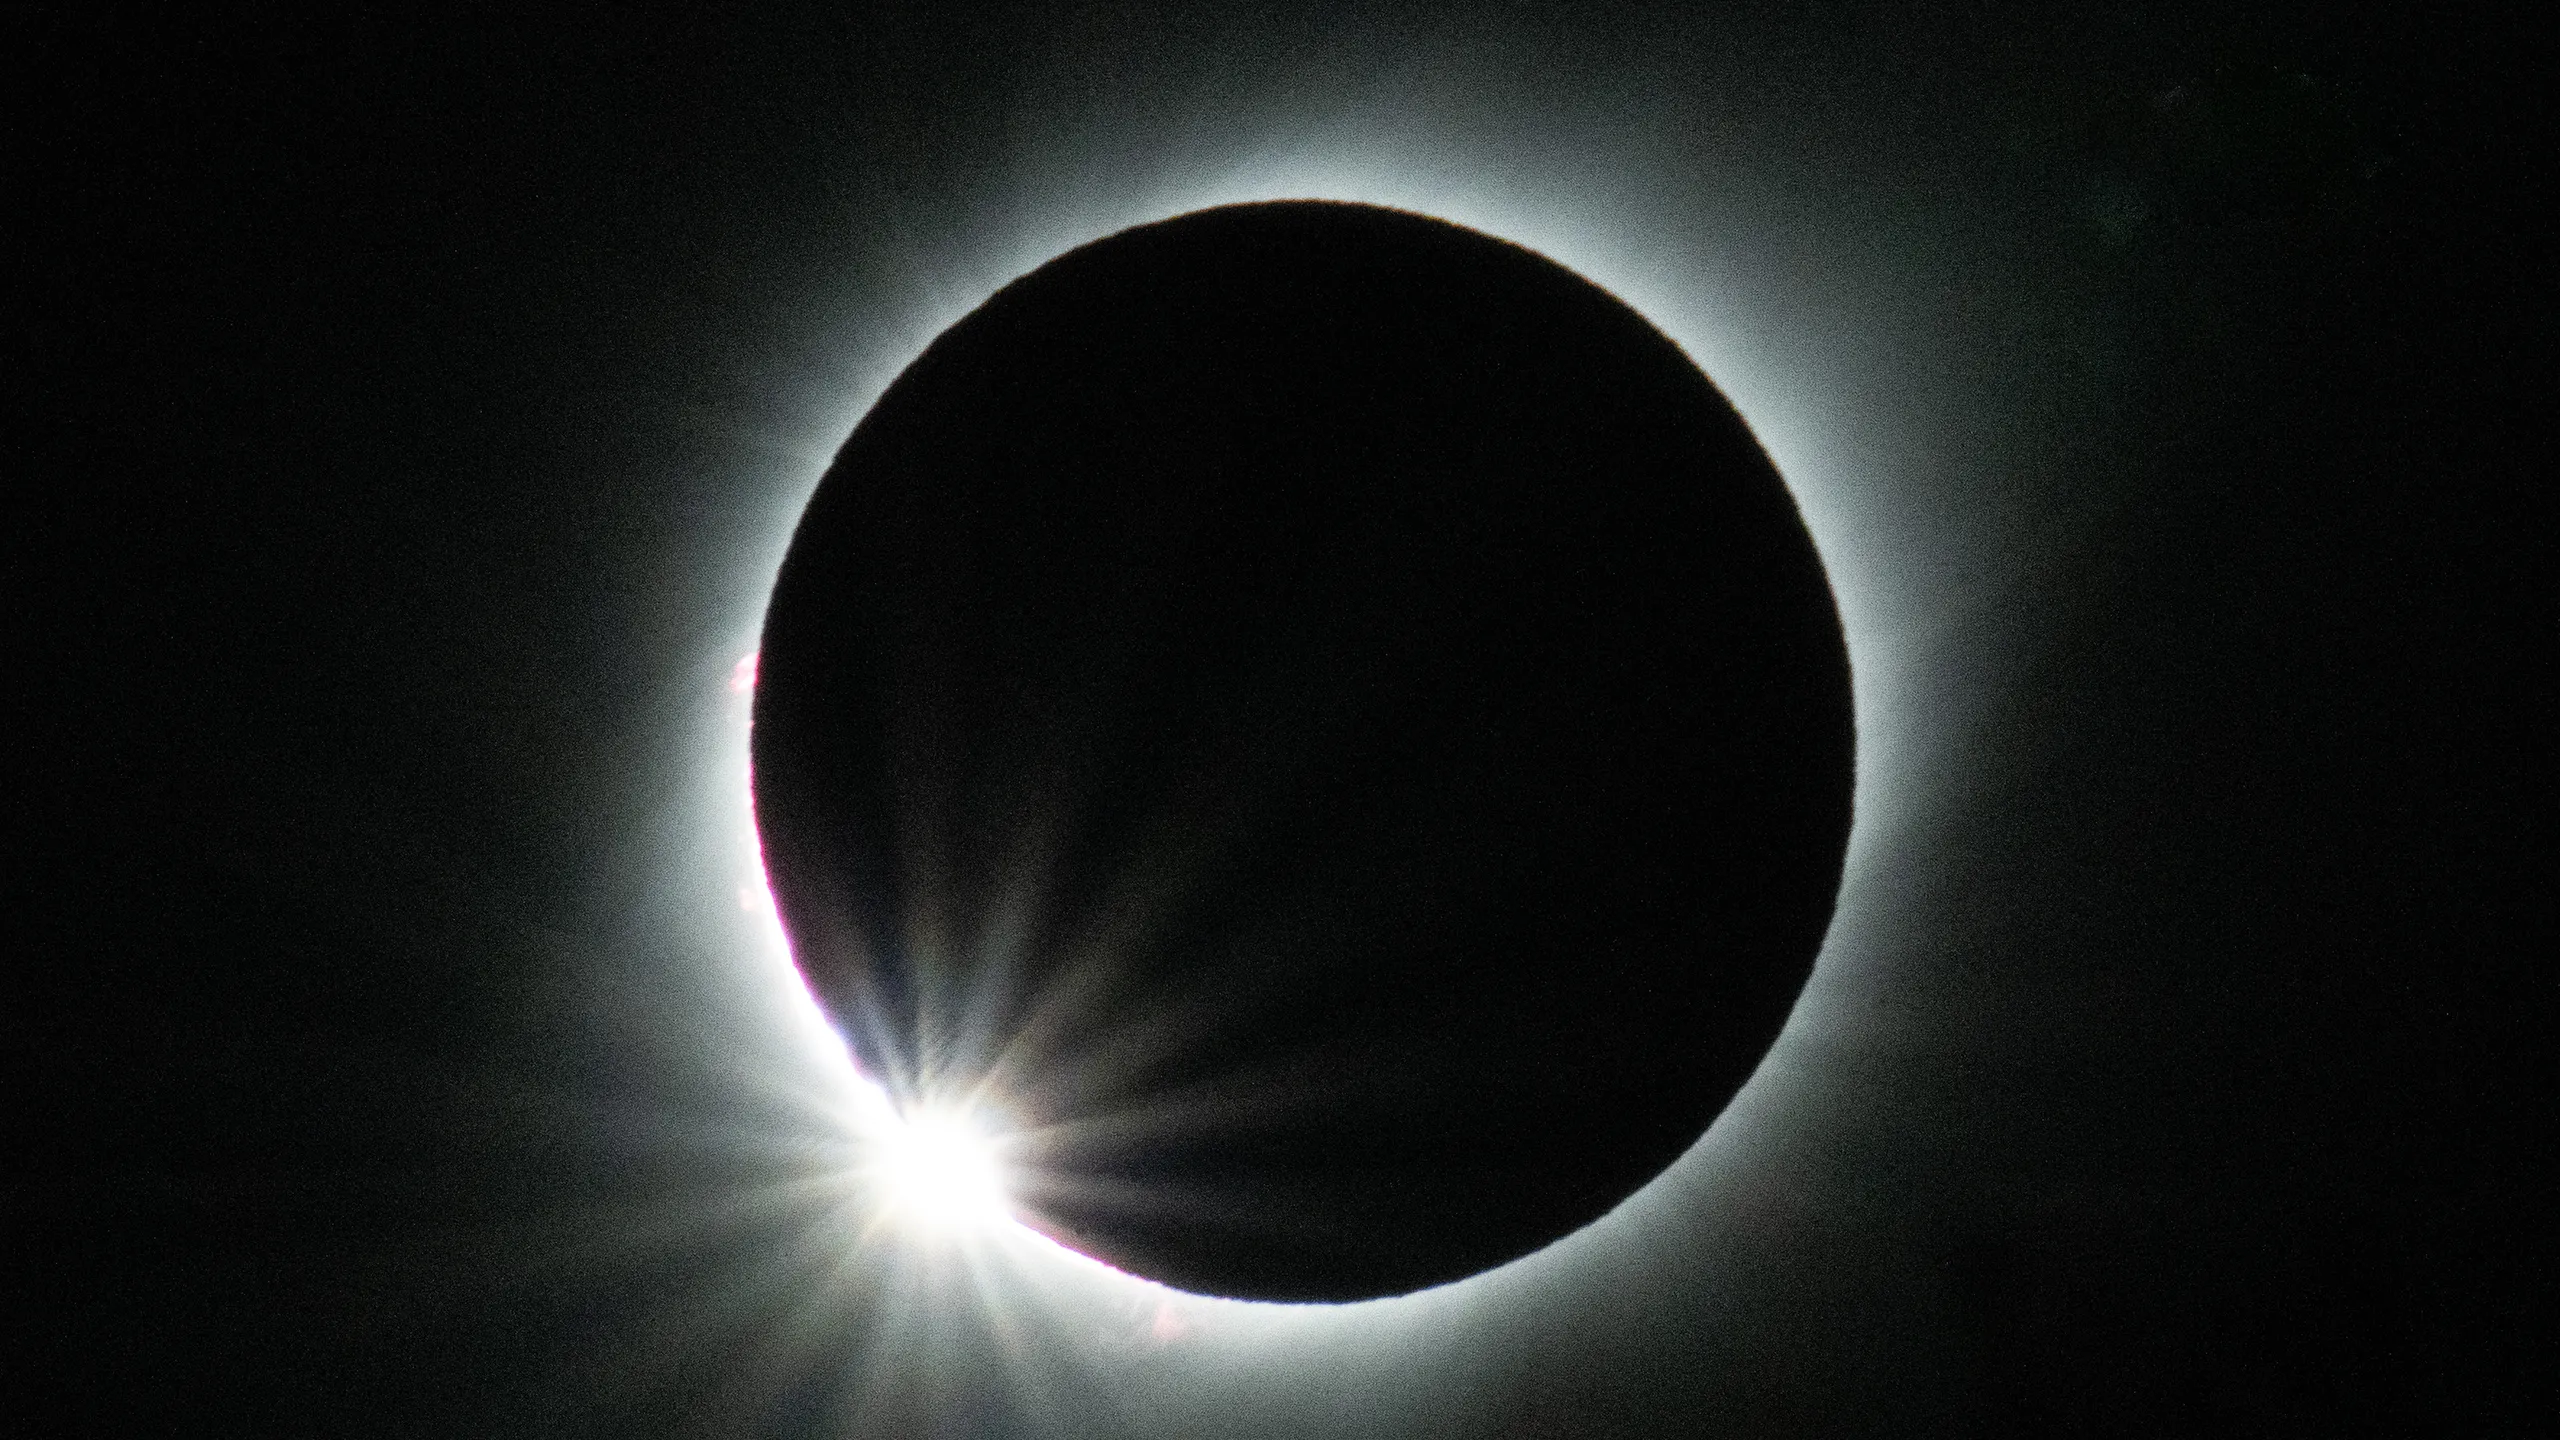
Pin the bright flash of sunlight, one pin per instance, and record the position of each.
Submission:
(938, 1170)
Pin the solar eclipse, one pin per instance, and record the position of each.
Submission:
(1330, 718)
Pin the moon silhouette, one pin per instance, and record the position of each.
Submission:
(1329, 725)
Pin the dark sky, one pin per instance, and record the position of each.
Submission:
(408, 421)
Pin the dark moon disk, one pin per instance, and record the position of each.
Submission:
(1327, 722)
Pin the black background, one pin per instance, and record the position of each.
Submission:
(402, 416)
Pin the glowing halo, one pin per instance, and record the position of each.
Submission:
(1554, 215)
